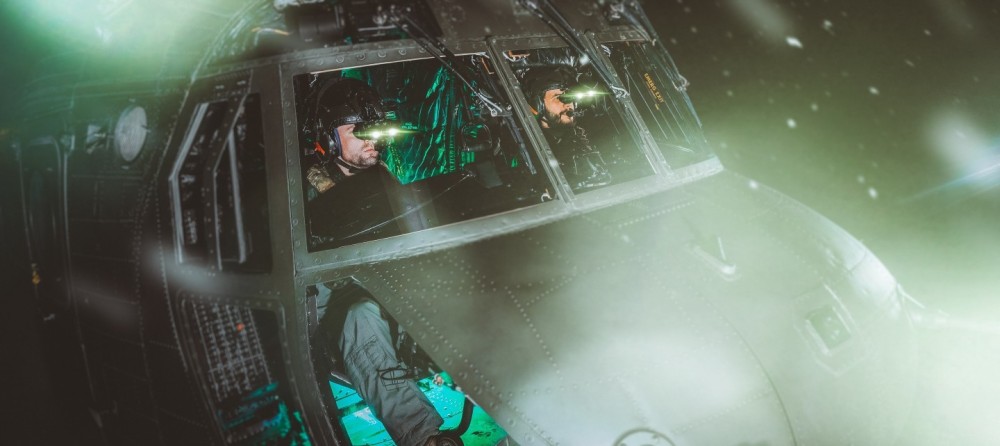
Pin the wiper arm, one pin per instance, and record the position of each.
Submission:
(436, 48)
(548, 13)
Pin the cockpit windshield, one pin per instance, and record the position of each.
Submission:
(395, 148)
(583, 123)
(658, 93)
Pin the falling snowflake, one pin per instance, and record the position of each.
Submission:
(872, 193)
(861, 179)
(814, 107)
(753, 185)
(873, 90)
(791, 123)
(793, 42)
(828, 26)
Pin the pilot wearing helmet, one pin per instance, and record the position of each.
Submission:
(354, 334)
(554, 104)
(345, 110)
(347, 192)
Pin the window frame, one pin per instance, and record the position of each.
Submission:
(624, 108)
(365, 55)
(229, 148)
(209, 166)
(457, 233)
(690, 132)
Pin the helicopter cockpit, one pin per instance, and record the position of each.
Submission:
(470, 137)
(451, 148)
(474, 138)
(443, 157)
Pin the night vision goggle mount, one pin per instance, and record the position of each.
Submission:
(581, 96)
(379, 133)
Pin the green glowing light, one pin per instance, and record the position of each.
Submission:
(381, 133)
(583, 94)
(264, 413)
(363, 428)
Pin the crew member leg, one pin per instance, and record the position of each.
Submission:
(371, 363)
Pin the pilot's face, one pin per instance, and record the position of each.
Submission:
(557, 112)
(354, 150)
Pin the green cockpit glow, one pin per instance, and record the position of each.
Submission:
(263, 417)
(380, 134)
(364, 428)
(432, 109)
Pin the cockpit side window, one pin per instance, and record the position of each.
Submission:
(396, 148)
(658, 92)
(189, 181)
(582, 122)
(241, 194)
(219, 188)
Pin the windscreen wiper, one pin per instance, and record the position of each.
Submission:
(548, 13)
(436, 48)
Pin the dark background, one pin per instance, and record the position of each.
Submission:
(882, 115)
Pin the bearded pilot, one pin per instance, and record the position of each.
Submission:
(346, 204)
(556, 111)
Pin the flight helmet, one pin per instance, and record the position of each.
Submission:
(343, 101)
(541, 79)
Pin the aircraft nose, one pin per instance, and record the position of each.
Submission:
(591, 342)
(632, 320)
